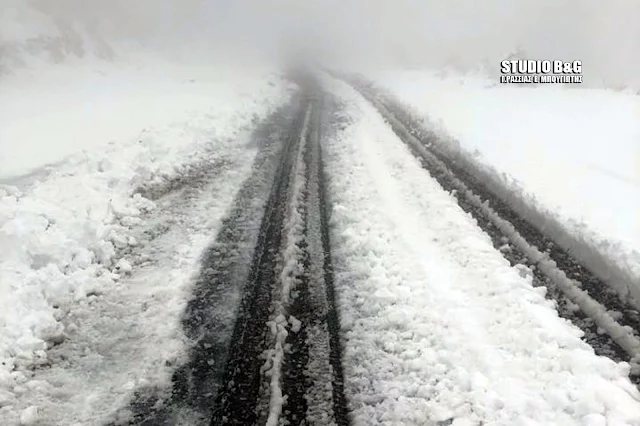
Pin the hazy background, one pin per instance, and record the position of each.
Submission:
(465, 34)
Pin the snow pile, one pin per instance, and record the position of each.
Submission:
(574, 153)
(439, 329)
(61, 230)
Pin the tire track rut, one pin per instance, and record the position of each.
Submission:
(262, 323)
(285, 363)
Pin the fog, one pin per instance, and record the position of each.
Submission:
(464, 34)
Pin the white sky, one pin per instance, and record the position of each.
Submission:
(604, 35)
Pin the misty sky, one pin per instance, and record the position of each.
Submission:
(401, 33)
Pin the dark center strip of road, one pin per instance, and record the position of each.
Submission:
(237, 400)
(225, 379)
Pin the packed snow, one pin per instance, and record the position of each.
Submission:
(438, 327)
(573, 153)
(70, 287)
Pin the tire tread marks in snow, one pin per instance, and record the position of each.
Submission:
(295, 384)
(237, 400)
(569, 264)
(340, 405)
(602, 344)
(209, 317)
(222, 380)
(242, 399)
(315, 306)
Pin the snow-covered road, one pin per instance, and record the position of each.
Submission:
(571, 158)
(438, 327)
(95, 277)
(302, 265)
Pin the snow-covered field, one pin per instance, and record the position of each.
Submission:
(574, 153)
(437, 324)
(49, 113)
(64, 228)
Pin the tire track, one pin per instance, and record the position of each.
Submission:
(313, 378)
(332, 323)
(237, 400)
(209, 318)
(285, 364)
(264, 329)
(610, 326)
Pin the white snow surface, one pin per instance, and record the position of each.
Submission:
(574, 153)
(437, 326)
(67, 231)
(50, 112)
